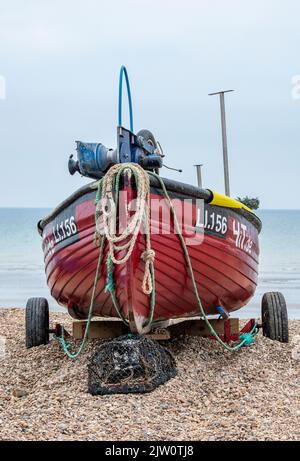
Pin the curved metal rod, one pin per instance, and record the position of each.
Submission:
(124, 71)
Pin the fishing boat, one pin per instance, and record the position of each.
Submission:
(220, 235)
(225, 262)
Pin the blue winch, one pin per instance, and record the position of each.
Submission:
(94, 159)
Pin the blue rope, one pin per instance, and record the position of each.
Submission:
(124, 71)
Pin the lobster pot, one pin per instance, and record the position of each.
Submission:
(129, 364)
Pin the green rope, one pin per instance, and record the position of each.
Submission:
(61, 340)
(110, 286)
(110, 283)
(244, 340)
(248, 338)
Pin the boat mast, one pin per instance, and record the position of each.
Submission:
(224, 139)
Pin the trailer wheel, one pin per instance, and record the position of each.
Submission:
(37, 322)
(275, 317)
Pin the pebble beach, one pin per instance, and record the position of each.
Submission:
(217, 395)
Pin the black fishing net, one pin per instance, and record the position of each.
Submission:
(129, 364)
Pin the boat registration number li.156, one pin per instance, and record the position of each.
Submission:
(218, 224)
(61, 229)
(212, 221)
(64, 229)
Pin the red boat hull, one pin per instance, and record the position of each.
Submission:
(224, 257)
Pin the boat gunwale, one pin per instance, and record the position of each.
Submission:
(179, 188)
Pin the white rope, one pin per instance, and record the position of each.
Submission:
(127, 238)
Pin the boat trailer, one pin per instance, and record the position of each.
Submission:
(274, 325)
(227, 329)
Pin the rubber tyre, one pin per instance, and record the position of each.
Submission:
(275, 317)
(37, 322)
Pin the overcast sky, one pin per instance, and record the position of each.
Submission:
(60, 60)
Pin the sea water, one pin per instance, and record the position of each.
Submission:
(22, 269)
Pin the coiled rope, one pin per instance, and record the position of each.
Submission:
(107, 200)
(107, 204)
